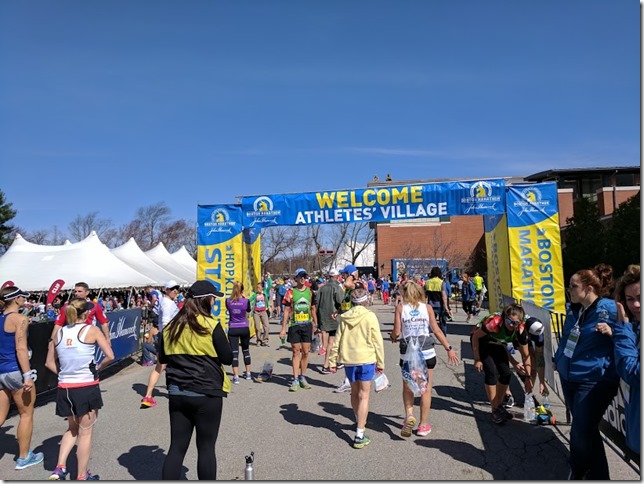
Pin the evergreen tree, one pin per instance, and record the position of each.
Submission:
(584, 240)
(6, 214)
(623, 236)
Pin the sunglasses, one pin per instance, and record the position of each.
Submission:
(511, 322)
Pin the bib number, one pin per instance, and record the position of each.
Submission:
(301, 317)
(572, 341)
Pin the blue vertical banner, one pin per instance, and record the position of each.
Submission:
(220, 250)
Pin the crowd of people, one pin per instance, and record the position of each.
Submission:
(599, 345)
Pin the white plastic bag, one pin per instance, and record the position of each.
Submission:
(381, 382)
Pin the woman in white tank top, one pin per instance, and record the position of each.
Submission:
(71, 357)
(415, 320)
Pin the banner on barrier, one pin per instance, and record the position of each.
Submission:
(376, 204)
(535, 245)
(219, 251)
(498, 260)
(125, 329)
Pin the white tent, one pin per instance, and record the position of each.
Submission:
(132, 255)
(161, 256)
(183, 257)
(34, 267)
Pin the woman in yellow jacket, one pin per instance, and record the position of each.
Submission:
(358, 345)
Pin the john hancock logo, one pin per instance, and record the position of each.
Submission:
(481, 198)
(219, 222)
(263, 212)
(530, 201)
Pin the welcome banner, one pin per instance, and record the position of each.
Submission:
(535, 245)
(498, 260)
(219, 251)
(376, 204)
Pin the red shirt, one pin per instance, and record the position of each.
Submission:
(95, 314)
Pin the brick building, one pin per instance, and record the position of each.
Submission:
(461, 239)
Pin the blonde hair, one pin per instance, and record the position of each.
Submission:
(412, 293)
(74, 309)
(238, 289)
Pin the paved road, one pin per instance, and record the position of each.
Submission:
(308, 434)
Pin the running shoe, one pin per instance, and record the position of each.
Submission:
(508, 401)
(248, 376)
(506, 415)
(423, 430)
(147, 402)
(59, 474)
(362, 442)
(32, 459)
(148, 363)
(408, 426)
(89, 477)
(497, 416)
(340, 366)
(236, 380)
(295, 385)
(325, 371)
(304, 384)
(345, 387)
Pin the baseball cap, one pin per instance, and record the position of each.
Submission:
(334, 272)
(350, 269)
(14, 294)
(203, 289)
(301, 272)
(171, 284)
(535, 327)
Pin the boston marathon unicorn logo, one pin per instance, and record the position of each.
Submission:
(481, 199)
(219, 221)
(263, 212)
(530, 201)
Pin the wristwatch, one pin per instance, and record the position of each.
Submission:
(449, 348)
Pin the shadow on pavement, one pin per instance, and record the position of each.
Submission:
(145, 462)
(50, 448)
(293, 415)
(376, 423)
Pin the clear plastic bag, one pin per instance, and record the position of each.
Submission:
(381, 382)
(414, 368)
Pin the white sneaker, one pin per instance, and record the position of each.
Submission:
(345, 387)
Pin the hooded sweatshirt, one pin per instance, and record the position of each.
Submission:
(358, 340)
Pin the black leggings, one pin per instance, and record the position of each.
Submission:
(186, 414)
(496, 364)
(235, 335)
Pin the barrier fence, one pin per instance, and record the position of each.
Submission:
(125, 335)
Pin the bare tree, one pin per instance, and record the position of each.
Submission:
(148, 226)
(359, 236)
(276, 243)
(40, 237)
(178, 233)
(83, 225)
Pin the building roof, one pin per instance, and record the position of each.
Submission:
(566, 172)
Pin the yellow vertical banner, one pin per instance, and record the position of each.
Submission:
(535, 245)
(252, 263)
(219, 251)
(499, 280)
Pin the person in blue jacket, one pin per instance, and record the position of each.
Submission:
(584, 360)
(468, 296)
(626, 338)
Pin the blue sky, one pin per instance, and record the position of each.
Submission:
(111, 106)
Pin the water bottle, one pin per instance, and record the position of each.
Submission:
(528, 409)
(546, 402)
(532, 415)
(249, 471)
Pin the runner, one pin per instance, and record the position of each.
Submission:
(301, 318)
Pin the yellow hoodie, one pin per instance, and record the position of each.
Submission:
(358, 340)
